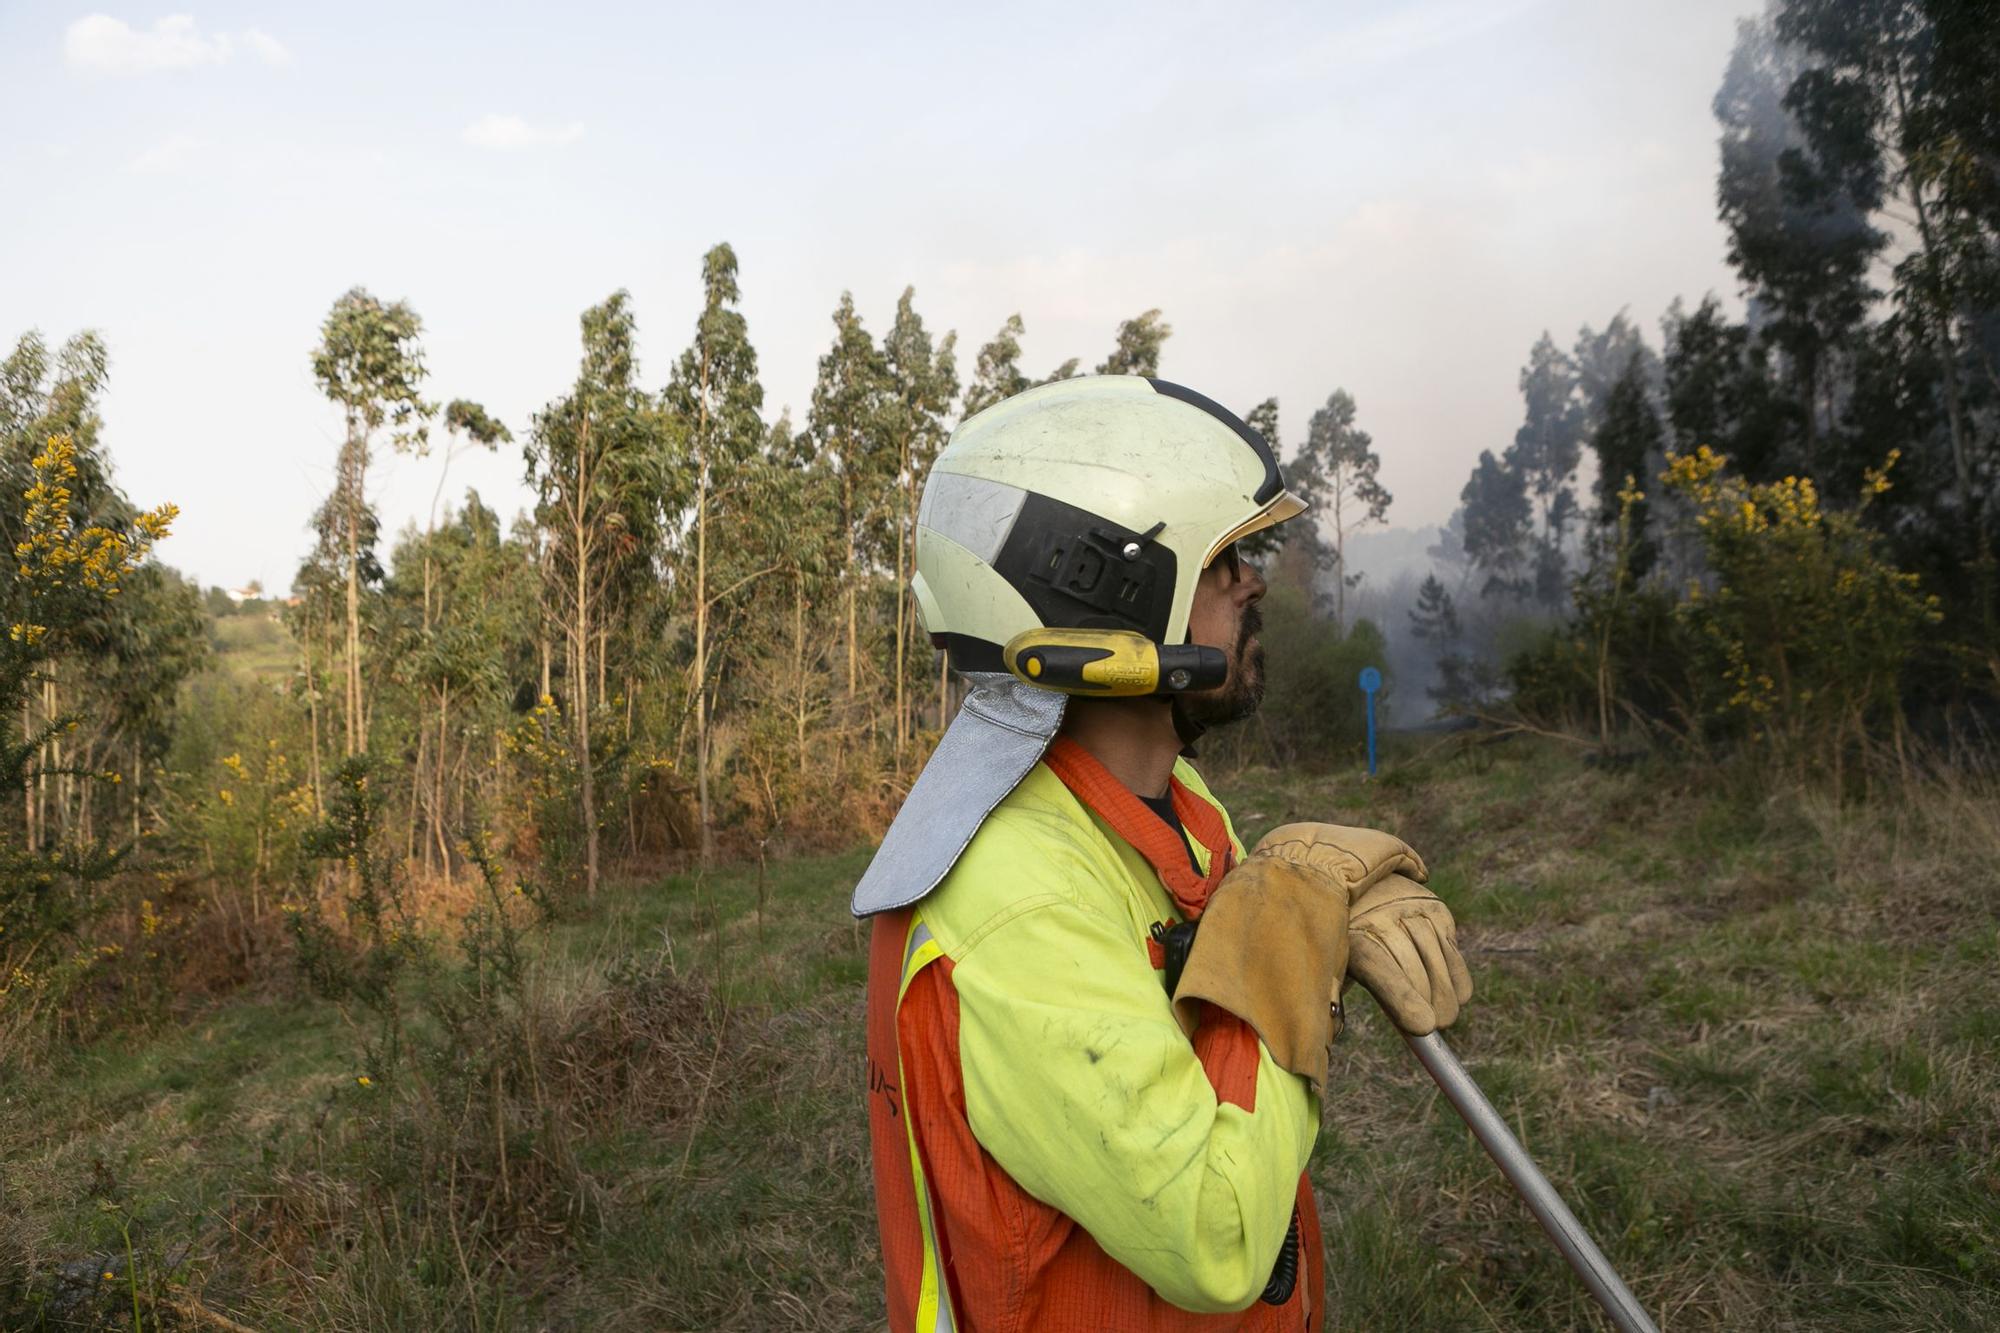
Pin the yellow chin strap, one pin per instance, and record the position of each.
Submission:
(1112, 663)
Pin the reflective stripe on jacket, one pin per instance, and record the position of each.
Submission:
(1052, 1150)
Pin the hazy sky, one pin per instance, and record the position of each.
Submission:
(1390, 198)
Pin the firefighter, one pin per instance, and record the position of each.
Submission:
(1097, 1028)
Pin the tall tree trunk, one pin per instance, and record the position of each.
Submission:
(85, 805)
(1947, 352)
(28, 787)
(631, 793)
(312, 710)
(354, 472)
(799, 664)
(1339, 571)
(443, 841)
(51, 757)
(63, 795)
(701, 616)
(60, 795)
(902, 607)
(853, 572)
(701, 660)
(579, 698)
(419, 804)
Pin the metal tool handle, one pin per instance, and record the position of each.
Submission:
(1619, 1304)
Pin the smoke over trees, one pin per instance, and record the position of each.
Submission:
(1852, 416)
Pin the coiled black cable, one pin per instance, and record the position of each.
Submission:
(1285, 1272)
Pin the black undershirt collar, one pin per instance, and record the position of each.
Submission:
(1163, 806)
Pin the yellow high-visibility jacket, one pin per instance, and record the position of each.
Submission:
(1053, 1150)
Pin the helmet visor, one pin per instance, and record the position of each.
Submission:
(1282, 506)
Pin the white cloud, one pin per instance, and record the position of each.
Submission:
(267, 48)
(509, 132)
(169, 155)
(100, 44)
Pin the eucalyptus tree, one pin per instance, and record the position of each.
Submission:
(1799, 236)
(1894, 102)
(787, 689)
(136, 653)
(1497, 521)
(478, 612)
(595, 458)
(1137, 351)
(47, 395)
(371, 365)
(808, 493)
(1265, 542)
(1601, 359)
(1629, 445)
(996, 373)
(467, 425)
(54, 596)
(922, 382)
(716, 397)
(844, 426)
(1341, 470)
(1546, 450)
(1721, 392)
(309, 616)
(43, 394)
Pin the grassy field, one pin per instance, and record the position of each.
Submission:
(1750, 1036)
(255, 644)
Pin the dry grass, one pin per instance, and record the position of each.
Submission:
(1748, 1035)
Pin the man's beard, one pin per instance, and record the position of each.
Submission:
(1240, 695)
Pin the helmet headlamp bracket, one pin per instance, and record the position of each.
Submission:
(1080, 569)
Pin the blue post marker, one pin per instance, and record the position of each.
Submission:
(1371, 681)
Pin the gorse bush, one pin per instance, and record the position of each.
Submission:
(64, 573)
(1803, 624)
(1793, 638)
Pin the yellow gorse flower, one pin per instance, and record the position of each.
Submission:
(54, 556)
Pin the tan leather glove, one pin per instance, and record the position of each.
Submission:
(1404, 949)
(1353, 858)
(1273, 947)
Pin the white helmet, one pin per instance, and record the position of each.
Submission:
(1091, 503)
